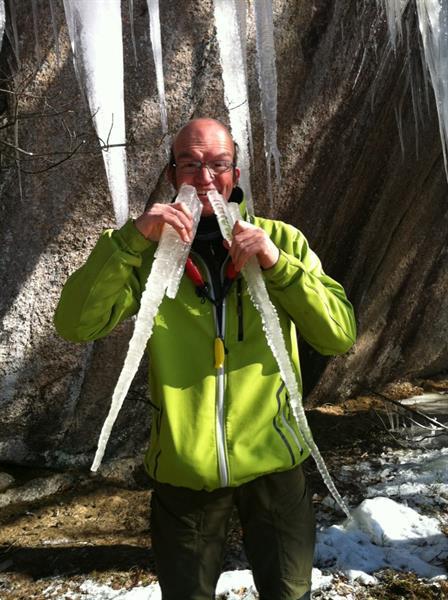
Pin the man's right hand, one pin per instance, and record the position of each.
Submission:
(151, 222)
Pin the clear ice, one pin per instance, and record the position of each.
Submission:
(433, 23)
(267, 78)
(166, 272)
(394, 11)
(15, 33)
(96, 38)
(228, 214)
(156, 43)
(235, 84)
(2, 21)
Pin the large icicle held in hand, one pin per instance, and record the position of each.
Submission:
(267, 78)
(228, 27)
(156, 43)
(166, 272)
(228, 214)
(433, 23)
(96, 38)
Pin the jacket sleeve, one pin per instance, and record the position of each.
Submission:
(315, 302)
(105, 290)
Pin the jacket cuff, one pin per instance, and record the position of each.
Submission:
(132, 238)
(284, 270)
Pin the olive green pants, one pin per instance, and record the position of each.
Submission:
(189, 530)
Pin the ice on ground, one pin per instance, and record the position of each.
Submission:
(96, 39)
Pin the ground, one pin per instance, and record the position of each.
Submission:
(98, 530)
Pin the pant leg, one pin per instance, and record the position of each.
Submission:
(278, 524)
(188, 532)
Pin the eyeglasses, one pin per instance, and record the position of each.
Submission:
(214, 167)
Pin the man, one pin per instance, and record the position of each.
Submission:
(222, 431)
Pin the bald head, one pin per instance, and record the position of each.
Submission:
(202, 130)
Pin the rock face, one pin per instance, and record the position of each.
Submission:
(375, 213)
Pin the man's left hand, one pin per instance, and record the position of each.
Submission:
(248, 241)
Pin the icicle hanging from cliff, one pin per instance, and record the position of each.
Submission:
(433, 23)
(394, 11)
(241, 14)
(156, 43)
(2, 21)
(267, 78)
(235, 85)
(96, 38)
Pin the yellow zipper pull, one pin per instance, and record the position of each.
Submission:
(219, 353)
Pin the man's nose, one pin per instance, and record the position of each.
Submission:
(204, 173)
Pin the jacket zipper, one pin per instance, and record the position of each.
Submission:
(220, 376)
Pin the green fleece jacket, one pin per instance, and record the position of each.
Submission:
(213, 427)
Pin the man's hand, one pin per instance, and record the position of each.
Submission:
(249, 241)
(151, 222)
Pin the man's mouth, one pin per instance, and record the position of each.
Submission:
(203, 193)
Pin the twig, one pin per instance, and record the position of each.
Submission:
(409, 409)
(396, 440)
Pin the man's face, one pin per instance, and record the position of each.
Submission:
(204, 140)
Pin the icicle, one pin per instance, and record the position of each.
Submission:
(267, 78)
(433, 23)
(55, 31)
(37, 49)
(394, 11)
(235, 85)
(156, 43)
(131, 23)
(15, 34)
(166, 271)
(241, 13)
(398, 119)
(2, 21)
(227, 215)
(96, 38)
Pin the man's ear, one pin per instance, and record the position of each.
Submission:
(236, 175)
